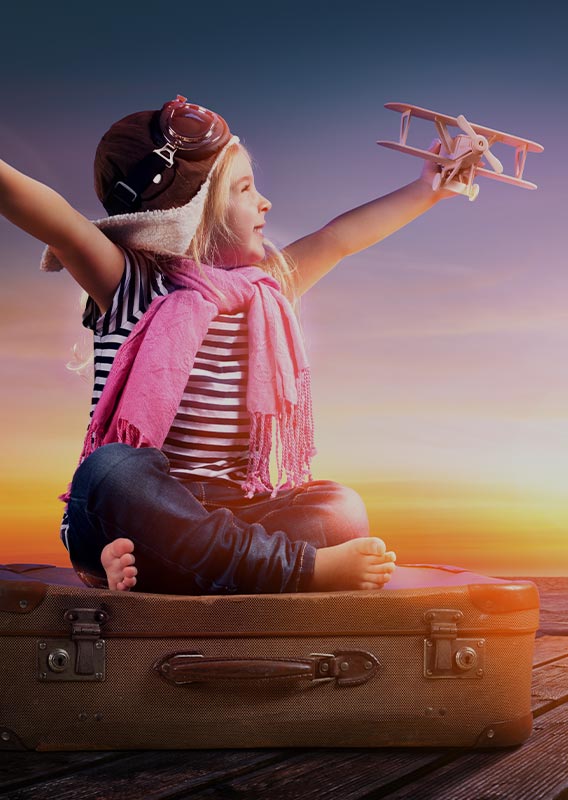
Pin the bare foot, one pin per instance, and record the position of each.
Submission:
(357, 564)
(117, 559)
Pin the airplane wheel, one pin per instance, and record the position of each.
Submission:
(474, 192)
(437, 181)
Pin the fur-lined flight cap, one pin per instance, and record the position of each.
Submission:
(170, 208)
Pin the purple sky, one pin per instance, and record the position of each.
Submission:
(439, 354)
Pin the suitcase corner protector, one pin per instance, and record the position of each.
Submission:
(10, 740)
(506, 734)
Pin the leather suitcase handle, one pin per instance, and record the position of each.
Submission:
(346, 667)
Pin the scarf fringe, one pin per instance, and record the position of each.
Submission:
(130, 434)
(294, 444)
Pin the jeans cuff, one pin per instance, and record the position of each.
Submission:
(307, 562)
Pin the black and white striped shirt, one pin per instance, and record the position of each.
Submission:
(209, 436)
(210, 433)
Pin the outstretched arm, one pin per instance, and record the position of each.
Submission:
(92, 259)
(316, 254)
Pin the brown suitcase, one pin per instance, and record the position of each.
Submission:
(445, 659)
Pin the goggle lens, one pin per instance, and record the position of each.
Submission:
(191, 132)
(195, 131)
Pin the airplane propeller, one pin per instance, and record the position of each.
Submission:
(479, 143)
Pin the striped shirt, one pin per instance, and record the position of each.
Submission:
(209, 435)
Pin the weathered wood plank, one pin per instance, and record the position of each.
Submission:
(537, 769)
(549, 647)
(550, 684)
(17, 767)
(142, 774)
(349, 775)
(553, 595)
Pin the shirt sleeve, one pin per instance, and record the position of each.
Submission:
(140, 283)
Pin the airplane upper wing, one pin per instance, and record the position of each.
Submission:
(490, 133)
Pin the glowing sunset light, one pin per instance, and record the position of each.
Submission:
(438, 355)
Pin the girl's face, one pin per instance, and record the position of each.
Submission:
(245, 217)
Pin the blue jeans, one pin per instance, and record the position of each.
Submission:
(202, 537)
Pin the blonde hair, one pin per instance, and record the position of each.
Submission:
(204, 248)
(214, 229)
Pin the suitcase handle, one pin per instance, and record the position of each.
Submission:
(346, 667)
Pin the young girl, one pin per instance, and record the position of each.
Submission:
(200, 368)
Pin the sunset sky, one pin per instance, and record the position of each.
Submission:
(438, 355)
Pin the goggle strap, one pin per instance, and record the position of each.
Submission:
(126, 195)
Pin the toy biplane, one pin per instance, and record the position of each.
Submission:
(460, 157)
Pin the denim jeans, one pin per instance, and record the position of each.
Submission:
(202, 537)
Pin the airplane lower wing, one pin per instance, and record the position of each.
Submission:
(415, 151)
(486, 173)
(447, 162)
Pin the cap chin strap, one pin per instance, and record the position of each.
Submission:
(126, 196)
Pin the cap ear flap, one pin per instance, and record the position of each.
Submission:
(167, 231)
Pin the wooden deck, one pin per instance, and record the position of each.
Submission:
(536, 770)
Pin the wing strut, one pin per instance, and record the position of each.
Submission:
(405, 125)
(520, 158)
(447, 140)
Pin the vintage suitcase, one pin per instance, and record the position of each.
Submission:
(441, 657)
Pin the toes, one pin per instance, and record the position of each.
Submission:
(119, 547)
(129, 572)
(127, 559)
(122, 546)
(118, 559)
(125, 584)
(380, 546)
(371, 546)
(384, 568)
(387, 558)
(375, 581)
(372, 576)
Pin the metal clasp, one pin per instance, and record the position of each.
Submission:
(446, 655)
(167, 153)
(82, 656)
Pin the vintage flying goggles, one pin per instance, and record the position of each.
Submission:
(180, 129)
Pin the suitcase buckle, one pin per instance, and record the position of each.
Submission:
(446, 655)
(80, 658)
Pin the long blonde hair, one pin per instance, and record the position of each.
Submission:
(214, 229)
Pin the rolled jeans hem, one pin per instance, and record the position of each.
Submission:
(202, 537)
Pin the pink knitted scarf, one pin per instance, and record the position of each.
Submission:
(150, 371)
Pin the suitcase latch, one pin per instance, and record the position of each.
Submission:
(80, 658)
(446, 655)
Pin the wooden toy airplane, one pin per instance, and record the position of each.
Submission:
(460, 157)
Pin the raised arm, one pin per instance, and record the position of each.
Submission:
(92, 259)
(316, 254)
